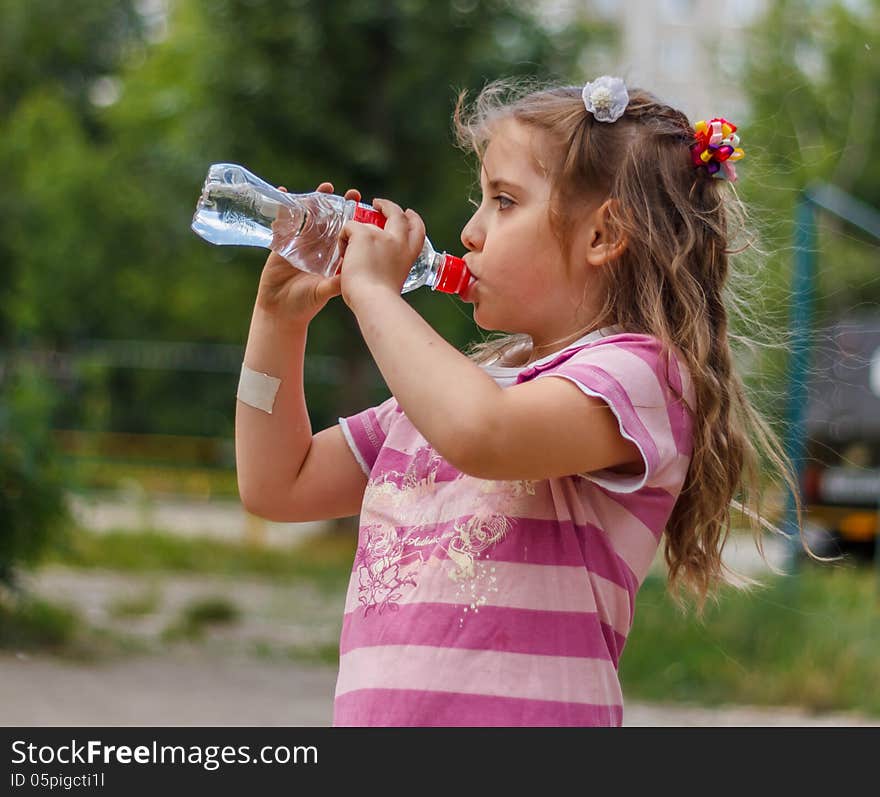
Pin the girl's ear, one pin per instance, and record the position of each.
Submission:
(605, 244)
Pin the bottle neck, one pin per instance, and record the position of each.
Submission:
(435, 269)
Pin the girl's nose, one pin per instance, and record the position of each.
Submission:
(471, 237)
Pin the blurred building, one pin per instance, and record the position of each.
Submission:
(688, 52)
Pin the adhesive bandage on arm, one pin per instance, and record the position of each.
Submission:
(256, 389)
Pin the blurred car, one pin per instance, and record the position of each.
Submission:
(841, 480)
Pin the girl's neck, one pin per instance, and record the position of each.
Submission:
(540, 350)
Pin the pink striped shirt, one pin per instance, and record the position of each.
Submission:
(477, 602)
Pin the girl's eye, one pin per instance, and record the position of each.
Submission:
(503, 202)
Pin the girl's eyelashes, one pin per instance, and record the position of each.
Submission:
(504, 202)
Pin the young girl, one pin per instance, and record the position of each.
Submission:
(511, 502)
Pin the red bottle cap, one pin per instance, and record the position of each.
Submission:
(454, 275)
(368, 215)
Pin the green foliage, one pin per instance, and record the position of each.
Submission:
(139, 605)
(200, 614)
(325, 560)
(811, 76)
(358, 92)
(32, 507)
(107, 127)
(35, 624)
(63, 46)
(810, 643)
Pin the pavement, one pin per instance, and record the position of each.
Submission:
(194, 689)
(222, 519)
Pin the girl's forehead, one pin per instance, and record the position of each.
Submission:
(513, 150)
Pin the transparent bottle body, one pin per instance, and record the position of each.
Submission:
(238, 208)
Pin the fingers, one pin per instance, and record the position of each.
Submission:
(416, 230)
(327, 288)
(327, 188)
(407, 225)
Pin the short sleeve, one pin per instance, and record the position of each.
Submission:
(642, 387)
(365, 432)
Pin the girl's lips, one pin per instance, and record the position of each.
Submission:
(468, 292)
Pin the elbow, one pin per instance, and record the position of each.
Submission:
(254, 501)
(250, 503)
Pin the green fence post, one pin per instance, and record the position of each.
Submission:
(800, 325)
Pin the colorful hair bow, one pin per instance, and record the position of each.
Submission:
(716, 147)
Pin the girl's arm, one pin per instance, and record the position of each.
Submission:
(535, 430)
(284, 472)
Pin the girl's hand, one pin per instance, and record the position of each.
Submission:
(379, 259)
(290, 294)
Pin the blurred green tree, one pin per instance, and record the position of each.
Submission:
(356, 91)
(111, 111)
(811, 74)
(811, 77)
(52, 55)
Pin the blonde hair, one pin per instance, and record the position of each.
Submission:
(671, 282)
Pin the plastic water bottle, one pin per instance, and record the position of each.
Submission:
(237, 207)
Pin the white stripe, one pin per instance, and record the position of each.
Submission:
(554, 588)
(633, 541)
(343, 424)
(551, 588)
(502, 674)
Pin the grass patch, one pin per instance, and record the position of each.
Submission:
(32, 625)
(132, 606)
(810, 640)
(201, 614)
(324, 654)
(324, 560)
(29, 623)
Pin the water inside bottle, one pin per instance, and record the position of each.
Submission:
(307, 234)
(418, 275)
(232, 213)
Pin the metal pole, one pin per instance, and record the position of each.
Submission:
(804, 270)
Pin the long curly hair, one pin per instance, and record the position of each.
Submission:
(671, 282)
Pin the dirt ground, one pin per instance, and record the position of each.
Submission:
(254, 671)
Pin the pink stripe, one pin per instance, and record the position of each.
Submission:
(393, 466)
(483, 628)
(600, 381)
(542, 542)
(544, 588)
(404, 707)
(679, 418)
(652, 506)
(634, 542)
(615, 642)
(500, 674)
(367, 435)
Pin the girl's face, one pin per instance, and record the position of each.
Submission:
(523, 282)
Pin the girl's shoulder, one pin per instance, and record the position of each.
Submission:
(635, 360)
(612, 346)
